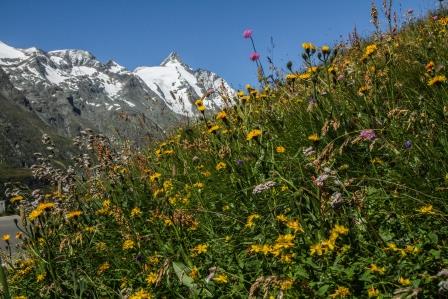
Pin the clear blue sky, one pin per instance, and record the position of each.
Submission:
(205, 33)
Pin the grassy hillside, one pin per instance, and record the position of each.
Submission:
(330, 182)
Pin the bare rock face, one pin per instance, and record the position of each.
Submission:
(65, 91)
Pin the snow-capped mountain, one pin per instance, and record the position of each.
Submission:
(69, 90)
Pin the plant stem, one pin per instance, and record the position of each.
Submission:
(3, 281)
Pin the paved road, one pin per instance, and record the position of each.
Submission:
(7, 226)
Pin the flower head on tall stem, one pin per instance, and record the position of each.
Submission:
(247, 33)
(254, 56)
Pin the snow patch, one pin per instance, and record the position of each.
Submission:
(10, 52)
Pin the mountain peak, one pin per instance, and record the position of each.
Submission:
(172, 58)
(9, 52)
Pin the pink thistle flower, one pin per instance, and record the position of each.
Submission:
(254, 56)
(247, 33)
(368, 134)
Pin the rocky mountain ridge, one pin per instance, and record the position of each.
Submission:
(66, 91)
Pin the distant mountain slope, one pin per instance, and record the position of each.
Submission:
(65, 91)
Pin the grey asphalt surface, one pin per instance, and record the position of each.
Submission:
(7, 226)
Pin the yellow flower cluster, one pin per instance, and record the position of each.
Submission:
(280, 149)
(251, 220)
(309, 47)
(136, 212)
(253, 134)
(276, 249)
(372, 292)
(200, 105)
(73, 214)
(221, 165)
(128, 244)
(437, 80)
(141, 294)
(341, 292)
(370, 50)
(427, 209)
(199, 249)
(330, 244)
(221, 278)
(375, 269)
(409, 249)
(105, 209)
(41, 208)
(103, 267)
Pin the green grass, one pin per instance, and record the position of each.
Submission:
(355, 205)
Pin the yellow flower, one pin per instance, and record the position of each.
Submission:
(198, 185)
(151, 278)
(294, 225)
(284, 241)
(136, 212)
(41, 208)
(437, 80)
(340, 229)
(128, 244)
(370, 50)
(312, 69)
(103, 267)
(286, 258)
(291, 77)
(198, 249)
(286, 284)
(40, 277)
(222, 115)
(142, 294)
(280, 149)
(404, 281)
(430, 66)
(213, 129)
(73, 214)
(253, 134)
(6, 237)
(305, 76)
(194, 272)
(316, 249)
(426, 209)
(167, 185)
(220, 165)
(325, 49)
(200, 105)
(19, 235)
(313, 137)
(281, 218)
(221, 278)
(373, 293)
(16, 198)
(341, 292)
(155, 177)
(375, 269)
(250, 220)
(20, 297)
(309, 47)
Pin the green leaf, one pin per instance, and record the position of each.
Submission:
(323, 289)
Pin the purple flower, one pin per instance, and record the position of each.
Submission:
(239, 162)
(368, 134)
(254, 56)
(435, 18)
(247, 33)
(407, 144)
